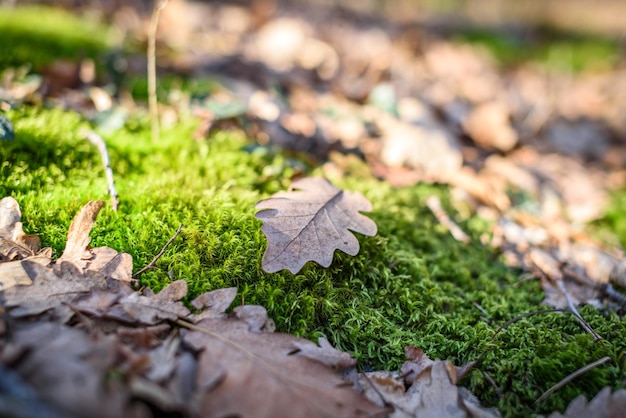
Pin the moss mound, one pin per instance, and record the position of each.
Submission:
(411, 284)
(39, 35)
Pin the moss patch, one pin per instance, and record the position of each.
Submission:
(411, 284)
(40, 35)
(551, 48)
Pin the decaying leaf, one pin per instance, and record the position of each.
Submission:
(150, 309)
(244, 373)
(51, 289)
(78, 235)
(324, 353)
(67, 367)
(310, 224)
(432, 391)
(604, 405)
(13, 273)
(11, 231)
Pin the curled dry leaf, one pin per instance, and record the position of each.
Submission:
(78, 234)
(12, 237)
(604, 405)
(150, 309)
(66, 368)
(51, 289)
(324, 353)
(432, 391)
(310, 224)
(13, 273)
(213, 303)
(244, 373)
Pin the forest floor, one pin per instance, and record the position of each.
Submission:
(493, 160)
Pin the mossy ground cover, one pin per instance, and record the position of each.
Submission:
(412, 284)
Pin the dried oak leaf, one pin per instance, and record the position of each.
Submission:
(324, 353)
(13, 241)
(52, 288)
(78, 235)
(213, 303)
(604, 405)
(67, 368)
(244, 373)
(150, 309)
(432, 392)
(13, 273)
(310, 224)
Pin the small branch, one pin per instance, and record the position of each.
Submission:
(156, 258)
(571, 377)
(493, 383)
(572, 308)
(152, 94)
(99, 143)
(434, 204)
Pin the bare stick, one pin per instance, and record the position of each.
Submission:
(572, 308)
(156, 257)
(152, 94)
(493, 383)
(99, 143)
(434, 204)
(571, 377)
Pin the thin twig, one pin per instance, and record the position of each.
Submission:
(571, 377)
(434, 204)
(152, 94)
(155, 259)
(97, 140)
(493, 383)
(572, 308)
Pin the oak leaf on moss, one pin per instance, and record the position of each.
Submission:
(309, 222)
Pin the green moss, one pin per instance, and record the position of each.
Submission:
(411, 284)
(552, 49)
(40, 35)
(614, 222)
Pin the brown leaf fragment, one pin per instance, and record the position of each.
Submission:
(604, 405)
(162, 359)
(11, 230)
(78, 235)
(110, 263)
(12, 273)
(243, 373)
(9, 250)
(51, 289)
(10, 217)
(150, 309)
(418, 363)
(213, 303)
(432, 392)
(310, 224)
(438, 396)
(324, 353)
(256, 318)
(66, 367)
(387, 388)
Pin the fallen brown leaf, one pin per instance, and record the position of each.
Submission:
(604, 405)
(309, 225)
(324, 353)
(432, 391)
(52, 288)
(244, 373)
(78, 234)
